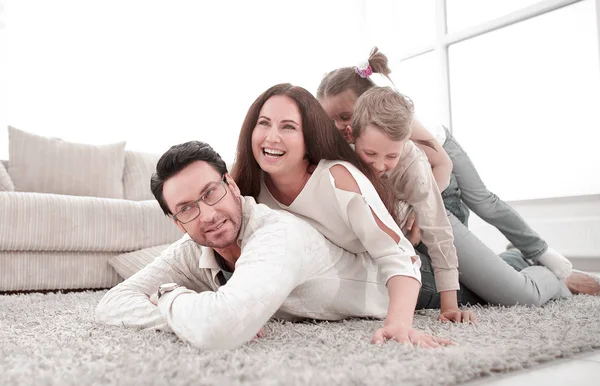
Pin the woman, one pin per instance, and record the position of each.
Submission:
(289, 156)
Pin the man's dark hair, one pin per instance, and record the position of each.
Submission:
(176, 159)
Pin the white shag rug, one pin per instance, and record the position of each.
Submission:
(52, 339)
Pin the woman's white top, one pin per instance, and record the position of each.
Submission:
(346, 219)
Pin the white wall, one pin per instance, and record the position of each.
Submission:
(159, 73)
(570, 225)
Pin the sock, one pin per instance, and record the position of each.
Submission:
(557, 263)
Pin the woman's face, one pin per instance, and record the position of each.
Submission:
(340, 108)
(277, 139)
(377, 150)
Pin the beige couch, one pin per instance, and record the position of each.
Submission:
(55, 233)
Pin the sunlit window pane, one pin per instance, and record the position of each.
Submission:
(398, 27)
(462, 14)
(419, 79)
(525, 104)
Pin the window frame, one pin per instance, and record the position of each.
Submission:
(443, 39)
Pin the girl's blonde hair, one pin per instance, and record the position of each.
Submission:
(385, 108)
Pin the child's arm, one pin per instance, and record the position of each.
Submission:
(420, 191)
(441, 164)
(398, 263)
(450, 312)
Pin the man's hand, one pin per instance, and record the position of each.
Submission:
(154, 299)
(411, 230)
(457, 316)
(404, 334)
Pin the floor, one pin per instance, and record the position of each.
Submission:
(581, 371)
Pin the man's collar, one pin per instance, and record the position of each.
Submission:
(207, 259)
(246, 208)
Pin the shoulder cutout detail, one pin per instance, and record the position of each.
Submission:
(344, 179)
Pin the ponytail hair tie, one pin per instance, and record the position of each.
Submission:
(364, 70)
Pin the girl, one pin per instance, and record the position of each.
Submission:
(291, 157)
(338, 92)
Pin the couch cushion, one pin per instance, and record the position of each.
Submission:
(127, 264)
(51, 165)
(27, 271)
(53, 222)
(6, 184)
(136, 177)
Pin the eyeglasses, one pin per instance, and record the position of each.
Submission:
(213, 195)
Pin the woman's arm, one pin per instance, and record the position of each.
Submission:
(398, 263)
(366, 214)
(441, 164)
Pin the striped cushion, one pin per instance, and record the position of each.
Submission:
(51, 165)
(53, 222)
(136, 177)
(128, 264)
(6, 184)
(25, 271)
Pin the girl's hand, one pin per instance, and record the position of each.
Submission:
(414, 236)
(457, 316)
(411, 230)
(404, 334)
(347, 134)
(260, 334)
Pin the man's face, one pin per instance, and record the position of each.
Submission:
(216, 226)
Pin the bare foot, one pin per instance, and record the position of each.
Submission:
(581, 283)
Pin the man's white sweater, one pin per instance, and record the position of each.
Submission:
(287, 269)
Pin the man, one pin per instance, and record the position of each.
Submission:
(239, 264)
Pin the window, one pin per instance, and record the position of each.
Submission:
(462, 14)
(525, 104)
(519, 83)
(398, 27)
(420, 80)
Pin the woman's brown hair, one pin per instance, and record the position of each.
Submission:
(321, 138)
